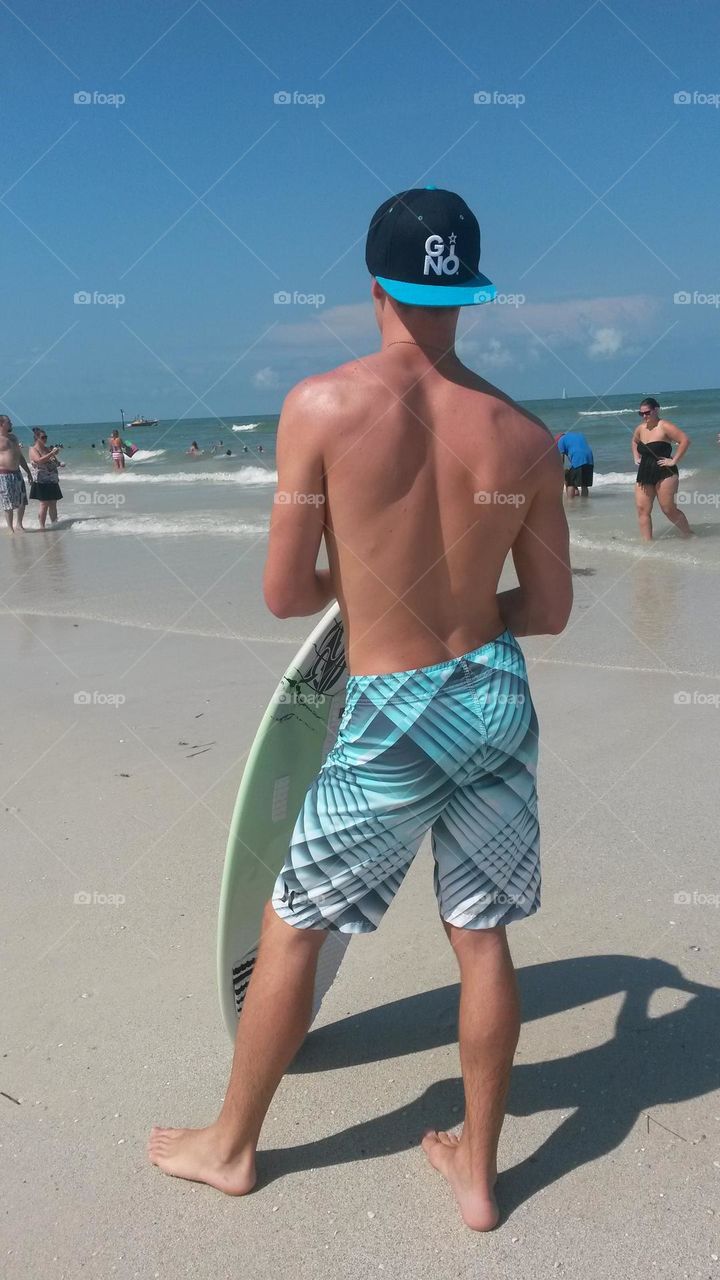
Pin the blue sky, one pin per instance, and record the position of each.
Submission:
(107, 199)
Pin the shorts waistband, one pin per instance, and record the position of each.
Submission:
(501, 654)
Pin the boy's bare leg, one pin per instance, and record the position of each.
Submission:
(489, 1029)
(274, 1022)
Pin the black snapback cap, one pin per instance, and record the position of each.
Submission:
(423, 247)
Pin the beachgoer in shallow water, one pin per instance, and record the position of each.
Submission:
(13, 494)
(117, 451)
(657, 475)
(44, 470)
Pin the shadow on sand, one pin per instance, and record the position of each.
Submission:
(647, 1063)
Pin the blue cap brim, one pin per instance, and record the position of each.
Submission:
(472, 293)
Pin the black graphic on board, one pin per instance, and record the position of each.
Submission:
(241, 975)
(329, 662)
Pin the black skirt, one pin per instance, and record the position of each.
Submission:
(45, 490)
(649, 473)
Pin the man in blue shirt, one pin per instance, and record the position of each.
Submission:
(579, 463)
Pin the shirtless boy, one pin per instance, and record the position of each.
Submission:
(424, 478)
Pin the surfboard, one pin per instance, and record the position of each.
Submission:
(295, 734)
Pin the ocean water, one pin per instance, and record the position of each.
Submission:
(178, 542)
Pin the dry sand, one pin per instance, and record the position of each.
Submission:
(610, 1156)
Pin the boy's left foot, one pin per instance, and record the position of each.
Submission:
(475, 1195)
(197, 1154)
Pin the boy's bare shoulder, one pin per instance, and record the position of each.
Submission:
(525, 430)
(322, 396)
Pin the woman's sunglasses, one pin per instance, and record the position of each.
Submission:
(645, 413)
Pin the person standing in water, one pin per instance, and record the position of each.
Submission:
(13, 495)
(657, 476)
(580, 466)
(117, 451)
(44, 470)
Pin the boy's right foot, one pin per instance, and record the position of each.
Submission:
(198, 1155)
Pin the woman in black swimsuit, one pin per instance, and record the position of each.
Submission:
(657, 477)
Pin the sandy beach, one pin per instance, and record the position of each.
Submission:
(116, 806)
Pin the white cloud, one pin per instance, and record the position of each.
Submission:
(266, 377)
(331, 327)
(495, 356)
(568, 322)
(606, 342)
(492, 337)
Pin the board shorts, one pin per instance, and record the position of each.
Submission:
(450, 749)
(12, 491)
(580, 477)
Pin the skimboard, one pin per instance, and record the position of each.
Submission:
(295, 734)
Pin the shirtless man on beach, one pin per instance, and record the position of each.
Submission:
(424, 477)
(13, 495)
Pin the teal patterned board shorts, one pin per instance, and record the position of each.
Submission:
(450, 749)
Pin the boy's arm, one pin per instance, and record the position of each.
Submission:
(292, 584)
(541, 604)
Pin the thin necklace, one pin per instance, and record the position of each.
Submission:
(407, 342)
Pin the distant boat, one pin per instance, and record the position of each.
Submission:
(139, 421)
(564, 395)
